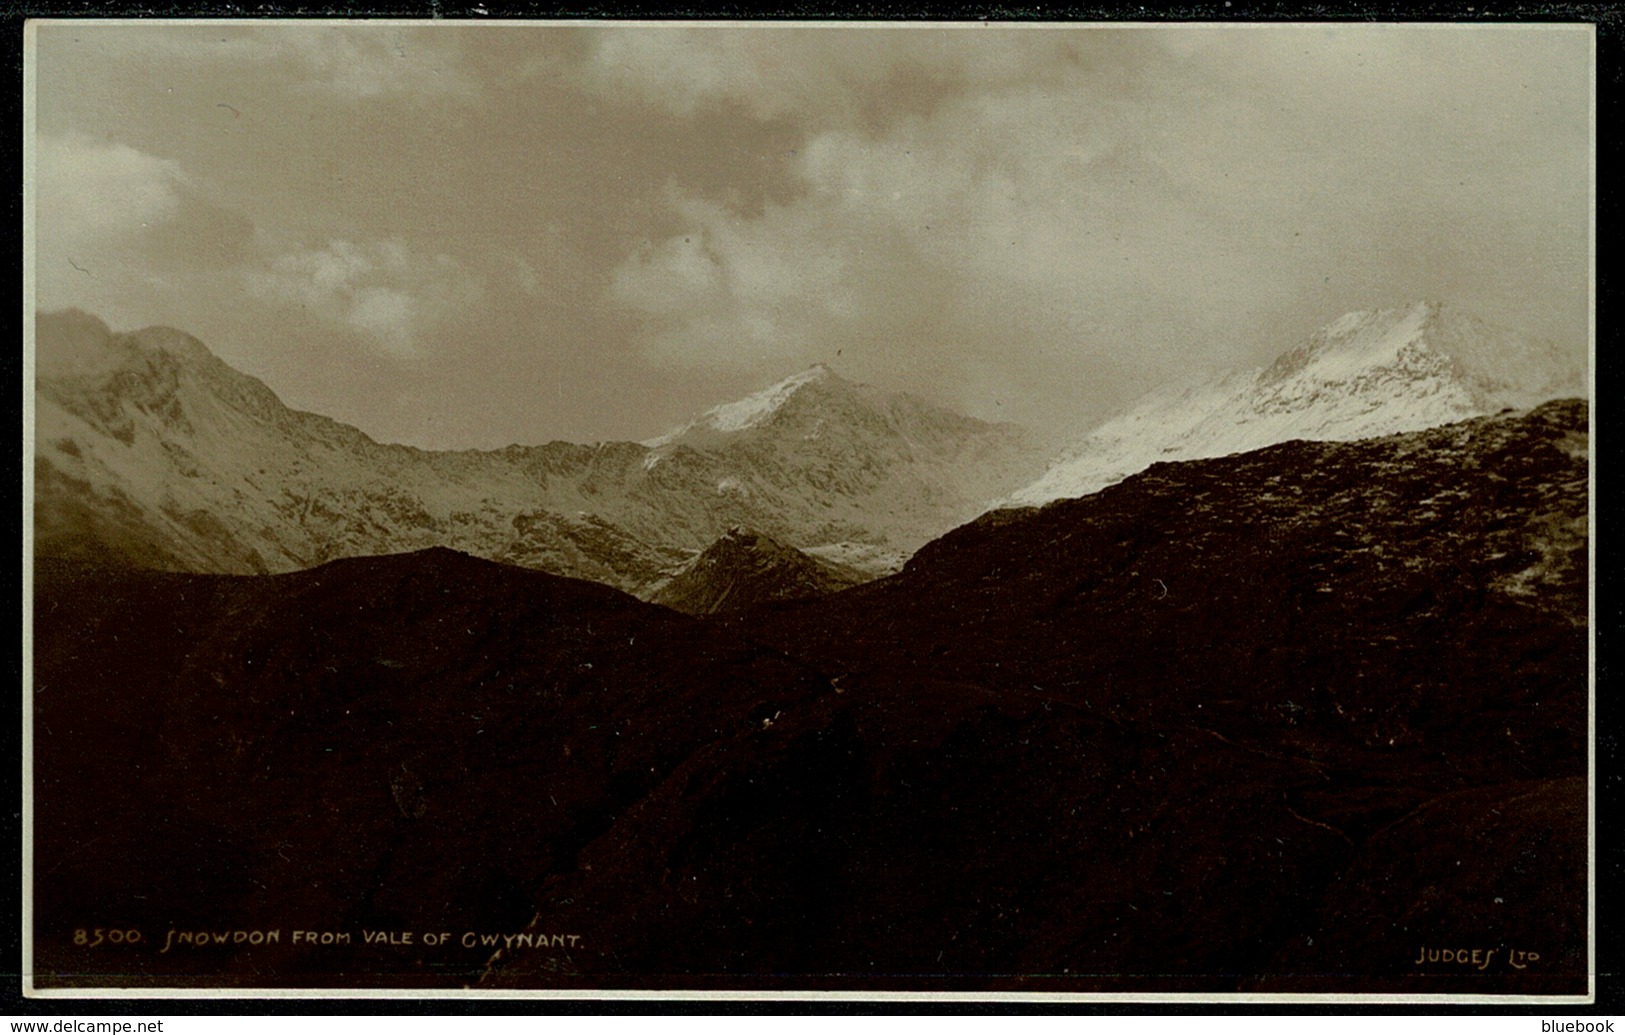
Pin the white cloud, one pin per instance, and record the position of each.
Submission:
(1004, 216)
(735, 292)
(90, 191)
(380, 288)
(1087, 226)
(390, 314)
(681, 273)
(123, 232)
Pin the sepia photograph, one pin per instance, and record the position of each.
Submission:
(1041, 511)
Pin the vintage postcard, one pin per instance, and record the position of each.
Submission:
(1037, 510)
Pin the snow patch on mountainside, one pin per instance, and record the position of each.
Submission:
(744, 413)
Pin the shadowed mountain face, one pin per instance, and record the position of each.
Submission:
(1282, 721)
(153, 451)
(411, 741)
(744, 569)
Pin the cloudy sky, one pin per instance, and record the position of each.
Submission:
(471, 235)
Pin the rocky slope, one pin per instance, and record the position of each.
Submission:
(1169, 736)
(149, 448)
(1365, 374)
(1279, 721)
(745, 568)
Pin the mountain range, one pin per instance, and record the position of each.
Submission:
(1273, 722)
(1268, 684)
(150, 449)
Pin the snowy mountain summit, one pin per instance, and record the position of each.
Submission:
(749, 412)
(1365, 374)
(850, 472)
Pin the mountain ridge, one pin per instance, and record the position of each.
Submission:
(149, 446)
(1367, 373)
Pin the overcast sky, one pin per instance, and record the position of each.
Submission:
(472, 235)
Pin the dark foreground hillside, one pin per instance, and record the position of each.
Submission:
(1296, 720)
(403, 743)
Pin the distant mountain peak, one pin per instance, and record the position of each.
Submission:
(1367, 373)
(754, 409)
(1429, 340)
(77, 318)
(1359, 339)
(73, 342)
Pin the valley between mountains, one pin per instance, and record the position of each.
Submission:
(1271, 684)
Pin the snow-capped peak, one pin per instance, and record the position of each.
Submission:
(750, 411)
(755, 408)
(1353, 342)
(1367, 373)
